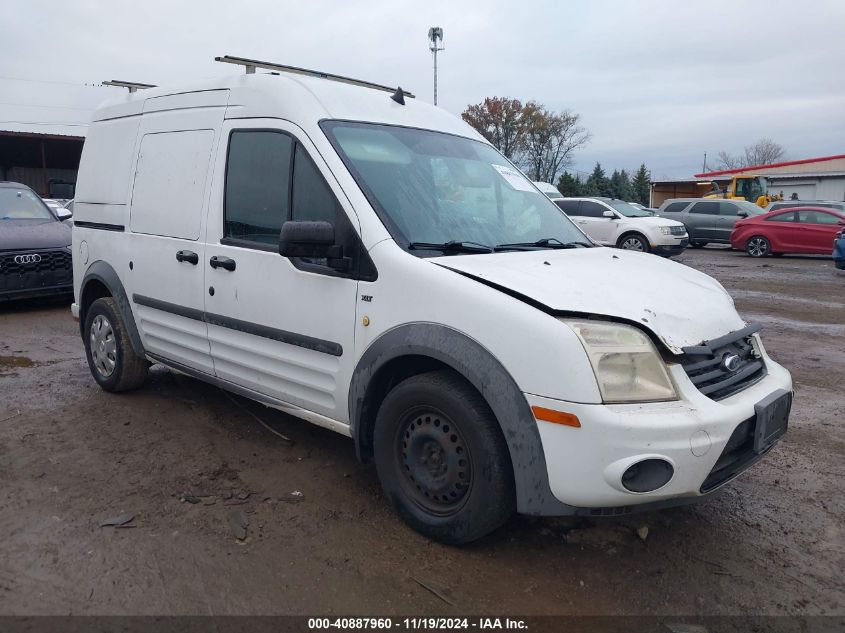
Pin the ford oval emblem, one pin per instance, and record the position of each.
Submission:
(731, 362)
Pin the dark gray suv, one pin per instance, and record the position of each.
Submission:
(708, 219)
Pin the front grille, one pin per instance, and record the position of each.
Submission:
(55, 268)
(678, 230)
(705, 364)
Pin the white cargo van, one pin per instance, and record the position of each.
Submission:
(369, 263)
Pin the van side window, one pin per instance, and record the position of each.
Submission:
(257, 185)
(312, 198)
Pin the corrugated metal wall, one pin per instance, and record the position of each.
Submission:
(38, 179)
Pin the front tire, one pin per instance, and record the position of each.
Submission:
(442, 460)
(698, 244)
(758, 246)
(634, 242)
(112, 361)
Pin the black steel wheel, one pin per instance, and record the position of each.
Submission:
(442, 459)
(434, 460)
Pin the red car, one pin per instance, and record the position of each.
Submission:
(795, 230)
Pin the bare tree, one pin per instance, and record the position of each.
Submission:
(763, 152)
(548, 141)
(500, 120)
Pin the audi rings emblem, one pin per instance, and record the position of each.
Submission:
(34, 258)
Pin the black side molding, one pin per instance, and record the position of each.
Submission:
(100, 226)
(283, 336)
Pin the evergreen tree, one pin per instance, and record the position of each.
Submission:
(570, 186)
(598, 183)
(642, 185)
(626, 190)
(616, 185)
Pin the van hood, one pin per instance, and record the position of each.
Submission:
(21, 235)
(681, 306)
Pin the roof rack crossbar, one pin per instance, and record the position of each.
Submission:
(251, 64)
(131, 85)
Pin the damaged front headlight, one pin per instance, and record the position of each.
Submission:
(627, 366)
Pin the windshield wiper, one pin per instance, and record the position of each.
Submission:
(546, 242)
(452, 246)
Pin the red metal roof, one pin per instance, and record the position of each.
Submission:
(783, 164)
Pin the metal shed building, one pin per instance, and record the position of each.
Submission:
(811, 178)
(44, 157)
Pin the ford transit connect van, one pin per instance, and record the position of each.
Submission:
(369, 263)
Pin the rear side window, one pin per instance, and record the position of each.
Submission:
(788, 216)
(569, 207)
(167, 197)
(675, 207)
(257, 185)
(706, 208)
(817, 217)
(591, 209)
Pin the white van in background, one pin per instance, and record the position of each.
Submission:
(369, 263)
(550, 190)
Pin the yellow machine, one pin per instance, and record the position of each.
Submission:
(751, 188)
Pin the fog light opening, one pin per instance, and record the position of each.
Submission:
(647, 475)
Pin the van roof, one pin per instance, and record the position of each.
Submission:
(304, 100)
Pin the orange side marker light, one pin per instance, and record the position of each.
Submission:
(557, 417)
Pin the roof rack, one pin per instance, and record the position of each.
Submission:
(131, 85)
(252, 64)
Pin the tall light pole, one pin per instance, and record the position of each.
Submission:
(435, 43)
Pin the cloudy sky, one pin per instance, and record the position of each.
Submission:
(659, 82)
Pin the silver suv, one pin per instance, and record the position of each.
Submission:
(707, 219)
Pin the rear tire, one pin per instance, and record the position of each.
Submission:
(442, 460)
(112, 361)
(758, 246)
(634, 242)
(698, 244)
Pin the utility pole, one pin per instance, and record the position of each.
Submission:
(435, 43)
(704, 164)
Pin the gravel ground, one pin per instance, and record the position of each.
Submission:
(187, 461)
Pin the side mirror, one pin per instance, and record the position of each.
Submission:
(63, 214)
(313, 240)
(608, 214)
(742, 214)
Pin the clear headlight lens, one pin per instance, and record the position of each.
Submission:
(666, 230)
(625, 362)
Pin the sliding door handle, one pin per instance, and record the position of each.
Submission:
(222, 262)
(187, 256)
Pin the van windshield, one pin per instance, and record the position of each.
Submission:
(435, 188)
(22, 204)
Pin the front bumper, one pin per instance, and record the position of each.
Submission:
(585, 465)
(675, 247)
(35, 293)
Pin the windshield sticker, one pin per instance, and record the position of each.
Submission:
(513, 178)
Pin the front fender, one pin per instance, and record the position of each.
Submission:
(477, 365)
